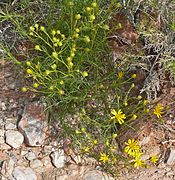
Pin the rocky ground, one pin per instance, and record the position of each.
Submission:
(29, 151)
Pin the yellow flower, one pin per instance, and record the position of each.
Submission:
(138, 162)
(132, 148)
(86, 149)
(119, 116)
(158, 110)
(134, 116)
(95, 141)
(120, 74)
(29, 71)
(107, 142)
(104, 158)
(134, 76)
(145, 102)
(154, 159)
(114, 136)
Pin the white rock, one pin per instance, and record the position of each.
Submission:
(145, 140)
(46, 162)
(2, 136)
(14, 138)
(58, 158)
(22, 173)
(3, 106)
(10, 126)
(7, 167)
(30, 156)
(35, 163)
(33, 124)
(96, 175)
(171, 158)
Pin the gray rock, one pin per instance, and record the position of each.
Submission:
(2, 136)
(35, 163)
(12, 86)
(22, 173)
(33, 124)
(7, 167)
(10, 126)
(96, 175)
(14, 138)
(30, 156)
(58, 158)
(3, 106)
(171, 157)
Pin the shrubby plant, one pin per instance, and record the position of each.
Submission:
(68, 63)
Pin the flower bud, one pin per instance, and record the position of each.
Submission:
(24, 89)
(78, 16)
(92, 17)
(37, 47)
(28, 63)
(42, 28)
(35, 85)
(85, 74)
(32, 28)
(29, 71)
(55, 55)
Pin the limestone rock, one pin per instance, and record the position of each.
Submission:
(14, 138)
(96, 175)
(33, 124)
(30, 156)
(58, 158)
(22, 173)
(36, 163)
(7, 167)
(171, 157)
(2, 136)
(10, 126)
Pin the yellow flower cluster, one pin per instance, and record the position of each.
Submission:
(133, 150)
